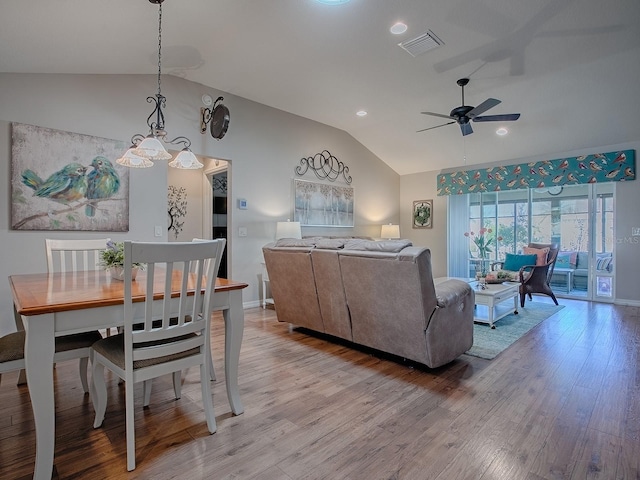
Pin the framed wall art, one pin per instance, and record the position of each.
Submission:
(67, 181)
(322, 205)
(422, 214)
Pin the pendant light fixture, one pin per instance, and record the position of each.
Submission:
(145, 150)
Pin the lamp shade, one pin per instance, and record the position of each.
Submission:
(152, 149)
(390, 231)
(186, 159)
(130, 159)
(288, 230)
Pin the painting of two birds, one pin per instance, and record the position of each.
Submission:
(67, 181)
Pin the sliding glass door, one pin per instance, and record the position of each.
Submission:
(578, 217)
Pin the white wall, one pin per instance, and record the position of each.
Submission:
(263, 145)
(421, 186)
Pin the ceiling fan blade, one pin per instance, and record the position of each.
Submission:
(507, 117)
(466, 129)
(436, 114)
(437, 126)
(483, 107)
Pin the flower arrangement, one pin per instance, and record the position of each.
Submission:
(113, 256)
(482, 240)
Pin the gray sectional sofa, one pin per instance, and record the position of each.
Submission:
(380, 294)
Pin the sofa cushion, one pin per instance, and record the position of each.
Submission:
(393, 246)
(331, 243)
(567, 260)
(295, 242)
(514, 262)
(541, 253)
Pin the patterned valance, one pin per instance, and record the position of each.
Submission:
(596, 168)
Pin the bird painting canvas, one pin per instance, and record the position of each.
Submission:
(67, 181)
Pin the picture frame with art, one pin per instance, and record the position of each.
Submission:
(65, 181)
(422, 214)
(323, 205)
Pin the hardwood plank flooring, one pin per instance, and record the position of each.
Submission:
(561, 403)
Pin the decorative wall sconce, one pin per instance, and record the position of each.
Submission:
(217, 117)
(390, 231)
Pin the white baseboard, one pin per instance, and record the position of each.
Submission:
(253, 304)
(627, 303)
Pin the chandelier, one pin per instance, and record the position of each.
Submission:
(145, 150)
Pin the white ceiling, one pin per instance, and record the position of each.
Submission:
(570, 67)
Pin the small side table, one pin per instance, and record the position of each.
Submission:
(264, 300)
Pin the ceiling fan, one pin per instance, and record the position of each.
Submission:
(465, 113)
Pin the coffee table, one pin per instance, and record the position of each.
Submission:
(494, 296)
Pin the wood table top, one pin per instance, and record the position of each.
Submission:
(40, 293)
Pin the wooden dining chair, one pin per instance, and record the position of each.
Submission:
(75, 255)
(165, 346)
(67, 347)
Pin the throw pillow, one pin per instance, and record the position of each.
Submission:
(541, 253)
(566, 260)
(603, 262)
(516, 262)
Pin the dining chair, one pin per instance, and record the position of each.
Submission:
(67, 347)
(165, 346)
(75, 255)
(212, 371)
(177, 375)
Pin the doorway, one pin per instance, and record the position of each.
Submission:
(216, 210)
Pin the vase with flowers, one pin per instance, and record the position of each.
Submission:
(483, 241)
(112, 259)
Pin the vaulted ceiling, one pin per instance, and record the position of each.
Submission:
(570, 67)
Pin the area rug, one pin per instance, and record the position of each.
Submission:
(488, 343)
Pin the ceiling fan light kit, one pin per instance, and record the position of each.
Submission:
(464, 114)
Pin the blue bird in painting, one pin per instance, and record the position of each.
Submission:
(64, 186)
(102, 182)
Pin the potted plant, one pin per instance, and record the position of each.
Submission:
(112, 259)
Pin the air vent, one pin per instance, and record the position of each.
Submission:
(423, 43)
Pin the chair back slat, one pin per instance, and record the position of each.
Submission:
(74, 255)
(182, 321)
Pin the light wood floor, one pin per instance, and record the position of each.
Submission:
(563, 402)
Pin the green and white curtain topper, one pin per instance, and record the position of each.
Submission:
(595, 168)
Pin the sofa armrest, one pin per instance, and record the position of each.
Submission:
(451, 292)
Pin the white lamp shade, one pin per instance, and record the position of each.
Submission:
(152, 149)
(390, 231)
(288, 230)
(186, 159)
(129, 159)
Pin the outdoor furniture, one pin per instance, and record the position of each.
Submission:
(539, 278)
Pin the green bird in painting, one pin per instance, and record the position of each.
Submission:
(102, 182)
(64, 186)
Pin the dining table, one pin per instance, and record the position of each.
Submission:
(56, 304)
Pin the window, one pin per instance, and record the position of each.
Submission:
(579, 218)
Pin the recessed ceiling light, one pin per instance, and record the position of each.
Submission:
(361, 113)
(502, 131)
(398, 28)
(332, 2)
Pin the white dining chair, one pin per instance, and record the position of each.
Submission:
(212, 371)
(175, 335)
(75, 255)
(67, 347)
